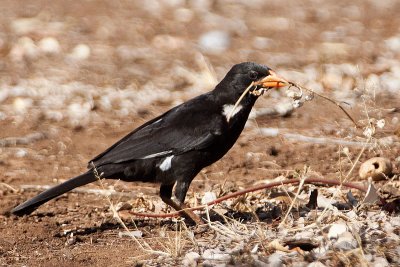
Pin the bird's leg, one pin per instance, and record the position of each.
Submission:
(181, 189)
(166, 197)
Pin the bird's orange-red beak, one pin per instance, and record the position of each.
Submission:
(272, 80)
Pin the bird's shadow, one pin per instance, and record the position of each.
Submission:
(244, 217)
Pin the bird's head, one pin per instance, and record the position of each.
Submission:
(242, 75)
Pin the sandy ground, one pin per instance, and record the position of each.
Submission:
(82, 74)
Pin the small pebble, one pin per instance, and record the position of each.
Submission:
(80, 52)
(135, 234)
(380, 262)
(21, 105)
(393, 43)
(275, 259)
(336, 230)
(49, 45)
(380, 123)
(208, 197)
(213, 254)
(191, 259)
(214, 42)
(21, 153)
(346, 241)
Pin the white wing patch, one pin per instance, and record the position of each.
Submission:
(157, 154)
(166, 164)
(227, 110)
(157, 121)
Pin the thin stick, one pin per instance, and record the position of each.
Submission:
(328, 99)
(301, 183)
(362, 188)
(239, 100)
(342, 182)
(9, 187)
(118, 218)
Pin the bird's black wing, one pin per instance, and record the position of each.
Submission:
(186, 127)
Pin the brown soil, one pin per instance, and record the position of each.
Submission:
(40, 239)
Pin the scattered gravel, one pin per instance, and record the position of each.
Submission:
(69, 70)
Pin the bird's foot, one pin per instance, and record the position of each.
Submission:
(184, 211)
(189, 215)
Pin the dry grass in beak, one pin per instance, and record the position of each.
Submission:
(326, 98)
(239, 100)
(275, 81)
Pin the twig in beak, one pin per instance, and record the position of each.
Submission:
(239, 100)
(326, 98)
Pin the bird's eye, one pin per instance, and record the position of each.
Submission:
(253, 75)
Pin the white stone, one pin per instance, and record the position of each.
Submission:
(380, 262)
(49, 45)
(208, 197)
(133, 234)
(336, 230)
(346, 241)
(79, 114)
(270, 131)
(275, 259)
(393, 43)
(380, 123)
(191, 259)
(214, 42)
(80, 52)
(21, 153)
(22, 105)
(212, 254)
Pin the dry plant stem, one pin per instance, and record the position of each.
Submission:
(239, 100)
(218, 227)
(343, 181)
(190, 235)
(9, 187)
(328, 99)
(322, 181)
(116, 216)
(301, 183)
(357, 159)
(366, 144)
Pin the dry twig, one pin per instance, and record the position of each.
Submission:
(257, 188)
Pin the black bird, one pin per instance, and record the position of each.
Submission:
(172, 149)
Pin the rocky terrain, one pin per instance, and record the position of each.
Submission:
(75, 76)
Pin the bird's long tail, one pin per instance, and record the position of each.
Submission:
(32, 204)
